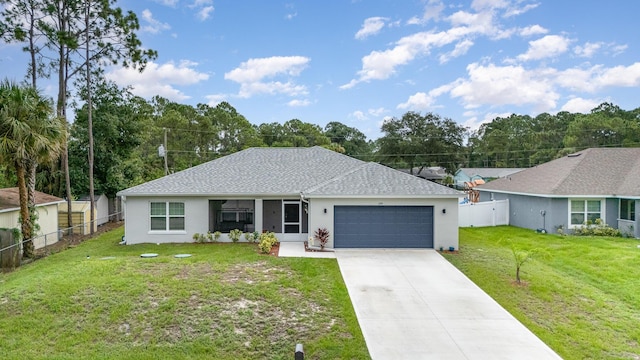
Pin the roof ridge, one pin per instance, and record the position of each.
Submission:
(335, 178)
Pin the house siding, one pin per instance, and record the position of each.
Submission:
(47, 220)
(525, 211)
(445, 226)
(137, 226)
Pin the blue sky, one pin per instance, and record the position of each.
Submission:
(359, 62)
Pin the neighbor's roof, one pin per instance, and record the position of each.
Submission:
(490, 172)
(10, 199)
(591, 172)
(289, 171)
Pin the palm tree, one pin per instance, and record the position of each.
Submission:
(28, 135)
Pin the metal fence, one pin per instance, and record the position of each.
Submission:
(46, 244)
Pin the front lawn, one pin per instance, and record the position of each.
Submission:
(583, 299)
(100, 300)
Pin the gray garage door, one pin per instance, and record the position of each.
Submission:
(383, 226)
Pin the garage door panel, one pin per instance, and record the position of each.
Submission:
(383, 226)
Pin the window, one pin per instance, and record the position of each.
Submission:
(585, 211)
(167, 216)
(627, 209)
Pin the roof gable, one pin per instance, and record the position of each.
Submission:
(595, 171)
(372, 179)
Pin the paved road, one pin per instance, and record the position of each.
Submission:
(413, 304)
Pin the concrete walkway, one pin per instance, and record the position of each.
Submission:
(413, 304)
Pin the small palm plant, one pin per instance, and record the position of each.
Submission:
(322, 236)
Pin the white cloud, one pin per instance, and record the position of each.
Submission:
(489, 4)
(380, 65)
(152, 25)
(548, 46)
(532, 30)
(291, 16)
(359, 115)
(159, 79)
(215, 99)
(171, 3)
(474, 123)
(377, 112)
(514, 11)
(598, 77)
(299, 103)
(504, 85)
(204, 13)
(417, 101)
(252, 73)
(587, 50)
(460, 49)
(371, 26)
(580, 105)
(432, 11)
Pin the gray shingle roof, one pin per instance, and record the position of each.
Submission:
(596, 171)
(288, 171)
(490, 172)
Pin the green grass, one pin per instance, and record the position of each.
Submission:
(225, 302)
(582, 299)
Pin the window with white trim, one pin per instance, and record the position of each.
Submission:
(628, 209)
(167, 216)
(585, 211)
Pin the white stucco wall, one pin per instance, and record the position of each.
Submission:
(445, 226)
(47, 219)
(137, 222)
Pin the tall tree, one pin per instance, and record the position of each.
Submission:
(109, 32)
(421, 140)
(28, 134)
(351, 139)
(121, 121)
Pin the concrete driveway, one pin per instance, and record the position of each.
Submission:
(413, 304)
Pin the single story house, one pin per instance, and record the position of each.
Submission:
(46, 207)
(464, 175)
(293, 192)
(596, 183)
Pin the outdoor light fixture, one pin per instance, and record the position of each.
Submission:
(444, 211)
(325, 210)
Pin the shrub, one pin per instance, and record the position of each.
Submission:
(235, 235)
(322, 236)
(597, 228)
(199, 238)
(216, 236)
(209, 236)
(267, 240)
(256, 236)
(248, 236)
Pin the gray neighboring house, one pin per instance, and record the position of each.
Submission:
(567, 192)
(293, 192)
(463, 175)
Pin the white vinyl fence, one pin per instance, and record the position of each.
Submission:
(488, 213)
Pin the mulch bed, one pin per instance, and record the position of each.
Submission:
(275, 250)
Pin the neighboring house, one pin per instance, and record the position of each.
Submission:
(46, 207)
(575, 189)
(432, 173)
(102, 207)
(80, 217)
(486, 174)
(293, 192)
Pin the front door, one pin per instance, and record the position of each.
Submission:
(291, 217)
